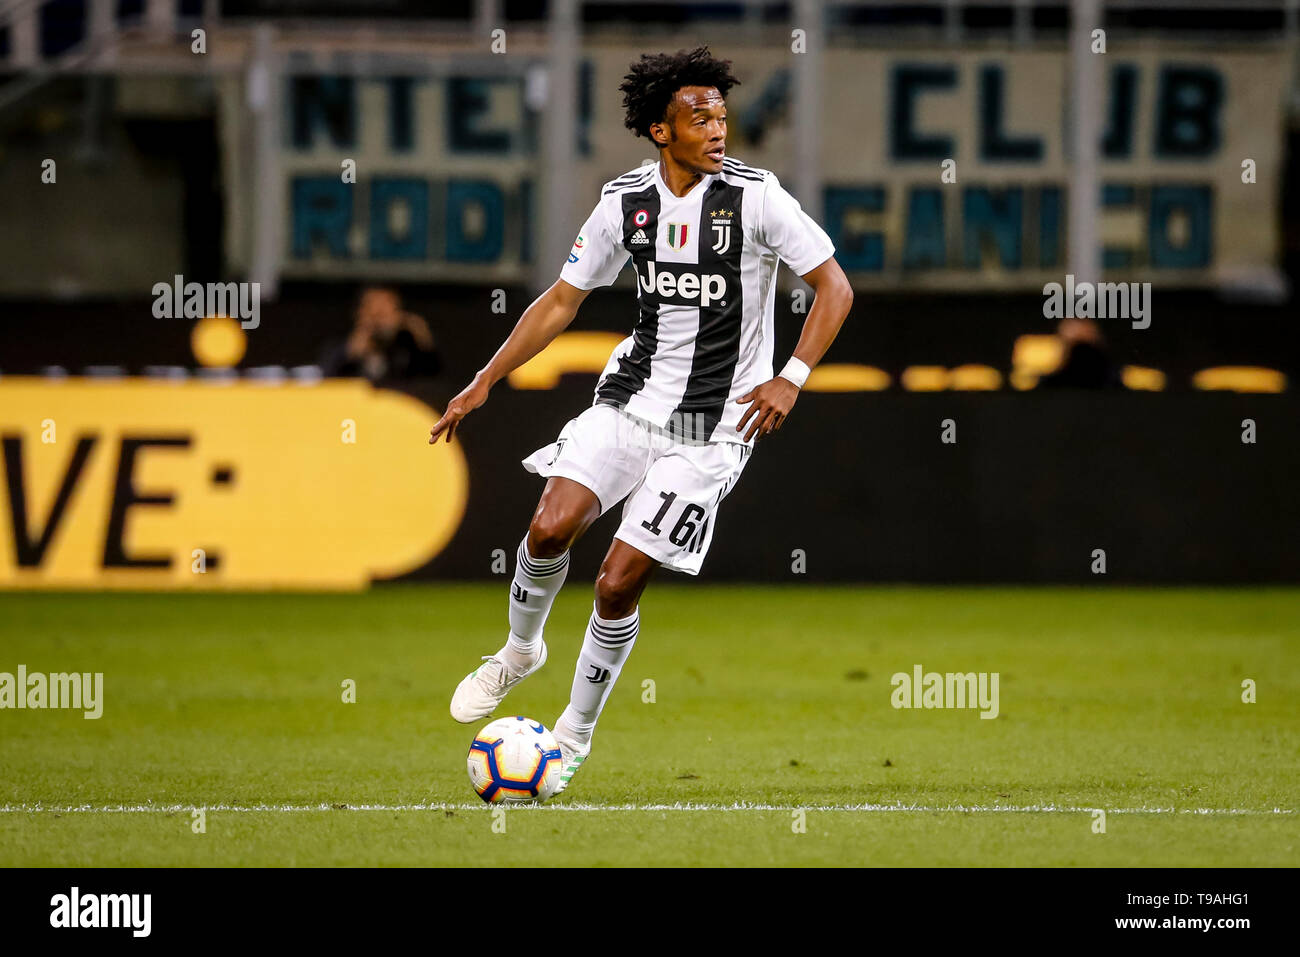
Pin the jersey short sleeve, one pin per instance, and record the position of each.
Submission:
(597, 254)
(790, 232)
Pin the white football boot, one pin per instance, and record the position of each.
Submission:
(483, 689)
(572, 753)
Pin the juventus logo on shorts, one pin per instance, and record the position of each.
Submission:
(559, 447)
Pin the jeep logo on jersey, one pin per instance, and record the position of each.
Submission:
(675, 284)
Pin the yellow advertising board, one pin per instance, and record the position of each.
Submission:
(147, 484)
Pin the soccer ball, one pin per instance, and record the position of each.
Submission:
(513, 761)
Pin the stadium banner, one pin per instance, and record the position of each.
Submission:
(148, 485)
(145, 484)
(943, 169)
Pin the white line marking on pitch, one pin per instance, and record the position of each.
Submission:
(852, 808)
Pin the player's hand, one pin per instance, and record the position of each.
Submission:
(770, 402)
(474, 395)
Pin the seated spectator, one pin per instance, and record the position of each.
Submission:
(386, 342)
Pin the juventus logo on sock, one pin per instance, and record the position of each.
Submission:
(605, 648)
(536, 583)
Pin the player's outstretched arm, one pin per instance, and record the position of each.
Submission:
(548, 316)
(772, 401)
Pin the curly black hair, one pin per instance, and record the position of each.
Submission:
(651, 82)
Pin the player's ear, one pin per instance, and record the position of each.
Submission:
(663, 131)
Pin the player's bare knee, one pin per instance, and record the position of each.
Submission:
(551, 532)
(617, 592)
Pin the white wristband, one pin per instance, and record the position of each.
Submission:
(795, 371)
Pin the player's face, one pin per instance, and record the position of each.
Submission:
(696, 129)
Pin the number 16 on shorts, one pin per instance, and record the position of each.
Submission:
(672, 521)
(690, 528)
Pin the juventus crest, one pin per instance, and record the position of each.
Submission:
(721, 229)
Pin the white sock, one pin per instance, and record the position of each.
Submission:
(537, 582)
(604, 650)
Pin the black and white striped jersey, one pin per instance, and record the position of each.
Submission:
(706, 269)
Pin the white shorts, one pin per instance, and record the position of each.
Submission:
(673, 489)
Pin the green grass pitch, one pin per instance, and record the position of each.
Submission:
(766, 701)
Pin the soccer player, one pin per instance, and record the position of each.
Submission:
(682, 400)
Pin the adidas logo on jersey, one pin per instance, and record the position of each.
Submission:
(682, 288)
(639, 238)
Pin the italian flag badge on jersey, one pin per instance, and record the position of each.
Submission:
(677, 235)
